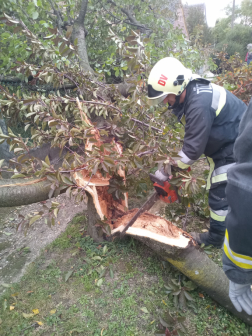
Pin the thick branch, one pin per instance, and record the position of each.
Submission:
(83, 10)
(132, 20)
(23, 191)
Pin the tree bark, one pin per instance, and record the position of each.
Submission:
(93, 219)
(79, 34)
(4, 147)
(16, 192)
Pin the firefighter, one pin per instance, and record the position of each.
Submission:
(237, 256)
(211, 116)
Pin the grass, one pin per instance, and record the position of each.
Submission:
(110, 289)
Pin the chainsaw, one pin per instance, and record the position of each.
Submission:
(163, 191)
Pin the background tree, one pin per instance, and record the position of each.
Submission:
(197, 25)
(235, 39)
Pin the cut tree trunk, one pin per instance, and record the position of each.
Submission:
(175, 246)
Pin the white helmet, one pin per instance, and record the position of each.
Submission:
(167, 76)
(249, 46)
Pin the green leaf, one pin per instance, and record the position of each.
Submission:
(67, 276)
(5, 304)
(8, 233)
(1, 162)
(99, 282)
(111, 273)
(145, 310)
(188, 296)
(55, 211)
(105, 249)
(17, 176)
(177, 292)
(3, 136)
(47, 161)
(6, 285)
(34, 219)
(164, 323)
(16, 150)
(181, 319)
(27, 126)
(45, 164)
(97, 258)
(35, 15)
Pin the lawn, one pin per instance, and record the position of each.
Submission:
(120, 288)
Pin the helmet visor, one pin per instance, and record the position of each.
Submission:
(156, 101)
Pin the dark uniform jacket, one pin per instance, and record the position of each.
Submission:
(237, 257)
(212, 117)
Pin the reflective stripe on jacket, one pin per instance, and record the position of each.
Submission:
(237, 257)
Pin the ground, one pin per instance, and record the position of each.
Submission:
(74, 286)
(18, 250)
(77, 287)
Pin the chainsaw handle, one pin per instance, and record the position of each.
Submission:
(155, 179)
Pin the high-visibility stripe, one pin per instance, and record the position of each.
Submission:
(211, 164)
(222, 169)
(239, 260)
(220, 174)
(218, 99)
(219, 178)
(219, 215)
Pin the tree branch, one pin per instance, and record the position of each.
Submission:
(83, 12)
(58, 14)
(132, 20)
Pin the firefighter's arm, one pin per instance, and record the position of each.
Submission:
(199, 118)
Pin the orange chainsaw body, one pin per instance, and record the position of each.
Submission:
(171, 196)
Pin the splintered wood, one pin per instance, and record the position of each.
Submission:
(116, 211)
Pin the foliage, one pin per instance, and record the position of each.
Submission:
(235, 76)
(63, 120)
(153, 20)
(197, 25)
(236, 38)
(243, 12)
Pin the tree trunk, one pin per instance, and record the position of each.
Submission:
(188, 258)
(16, 192)
(93, 218)
(4, 147)
(79, 34)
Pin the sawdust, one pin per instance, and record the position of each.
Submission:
(151, 223)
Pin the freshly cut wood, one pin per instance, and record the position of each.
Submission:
(154, 227)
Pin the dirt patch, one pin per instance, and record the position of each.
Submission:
(17, 250)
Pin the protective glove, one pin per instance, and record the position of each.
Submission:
(241, 297)
(161, 175)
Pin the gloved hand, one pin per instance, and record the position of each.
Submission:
(241, 297)
(161, 175)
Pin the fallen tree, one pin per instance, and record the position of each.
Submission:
(177, 247)
(93, 160)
